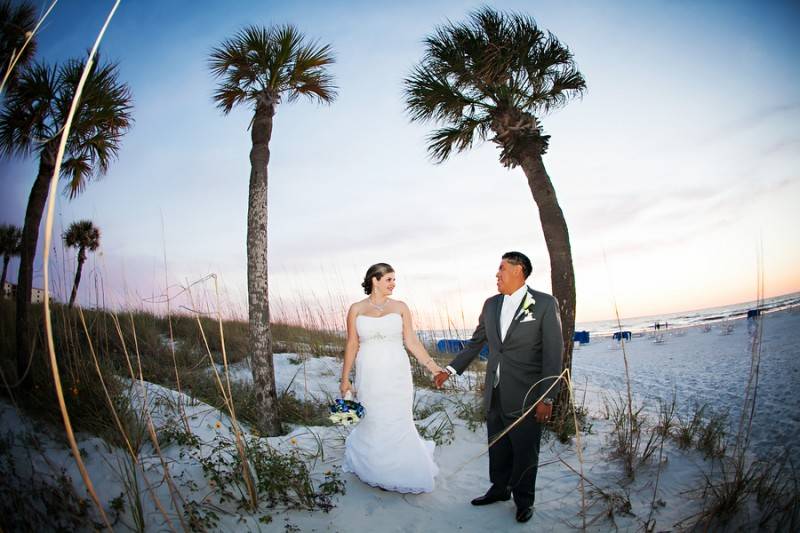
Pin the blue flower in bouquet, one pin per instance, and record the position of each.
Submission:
(345, 412)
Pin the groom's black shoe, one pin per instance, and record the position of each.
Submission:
(524, 514)
(492, 496)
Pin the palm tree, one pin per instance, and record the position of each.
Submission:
(31, 123)
(16, 23)
(10, 243)
(259, 67)
(82, 235)
(493, 77)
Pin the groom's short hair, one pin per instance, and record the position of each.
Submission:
(518, 258)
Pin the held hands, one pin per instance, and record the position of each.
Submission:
(440, 378)
(543, 412)
(435, 369)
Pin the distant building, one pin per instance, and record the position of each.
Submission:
(10, 292)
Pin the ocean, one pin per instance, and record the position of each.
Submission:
(668, 321)
(684, 319)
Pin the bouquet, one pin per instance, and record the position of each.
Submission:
(345, 411)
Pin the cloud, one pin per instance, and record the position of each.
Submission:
(747, 122)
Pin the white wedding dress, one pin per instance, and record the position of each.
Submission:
(384, 449)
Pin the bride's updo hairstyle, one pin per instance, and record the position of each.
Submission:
(378, 270)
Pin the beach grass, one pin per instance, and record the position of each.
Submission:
(183, 351)
(177, 352)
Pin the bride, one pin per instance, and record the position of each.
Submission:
(384, 450)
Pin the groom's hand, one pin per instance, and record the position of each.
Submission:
(543, 412)
(440, 378)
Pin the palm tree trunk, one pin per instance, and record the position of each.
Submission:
(257, 280)
(556, 236)
(30, 237)
(81, 259)
(6, 259)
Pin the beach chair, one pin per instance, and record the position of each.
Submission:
(456, 345)
(581, 337)
(620, 335)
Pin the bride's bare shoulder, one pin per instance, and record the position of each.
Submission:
(358, 307)
(401, 305)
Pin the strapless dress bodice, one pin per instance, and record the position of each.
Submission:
(386, 328)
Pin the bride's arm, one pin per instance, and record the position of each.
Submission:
(350, 350)
(413, 344)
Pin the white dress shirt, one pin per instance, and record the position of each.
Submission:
(507, 311)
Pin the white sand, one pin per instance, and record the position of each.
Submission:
(702, 367)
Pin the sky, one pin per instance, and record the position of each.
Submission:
(677, 171)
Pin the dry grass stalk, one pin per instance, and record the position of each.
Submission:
(181, 410)
(48, 239)
(667, 413)
(530, 409)
(525, 414)
(632, 429)
(248, 476)
(174, 493)
(578, 447)
(111, 407)
(150, 427)
(227, 398)
(773, 486)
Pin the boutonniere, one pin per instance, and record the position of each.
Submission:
(526, 312)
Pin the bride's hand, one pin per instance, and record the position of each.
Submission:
(436, 369)
(345, 386)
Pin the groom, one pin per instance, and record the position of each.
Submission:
(523, 330)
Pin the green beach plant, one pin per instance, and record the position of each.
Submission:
(259, 67)
(469, 408)
(282, 480)
(688, 426)
(438, 427)
(633, 440)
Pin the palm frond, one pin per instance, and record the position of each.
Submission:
(317, 86)
(26, 119)
(285, 45)
(460, 137)
(102, 118)
(494, 62)
(433, 97)
(82, 234)
(270, 62)
(37, 107)
(229, 95)
(16, 21)
(76, 170)
(227, 56)
(308, 76)
(10, 240)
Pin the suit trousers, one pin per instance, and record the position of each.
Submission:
(514, 459)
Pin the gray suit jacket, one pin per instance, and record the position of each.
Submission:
(532, 350)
